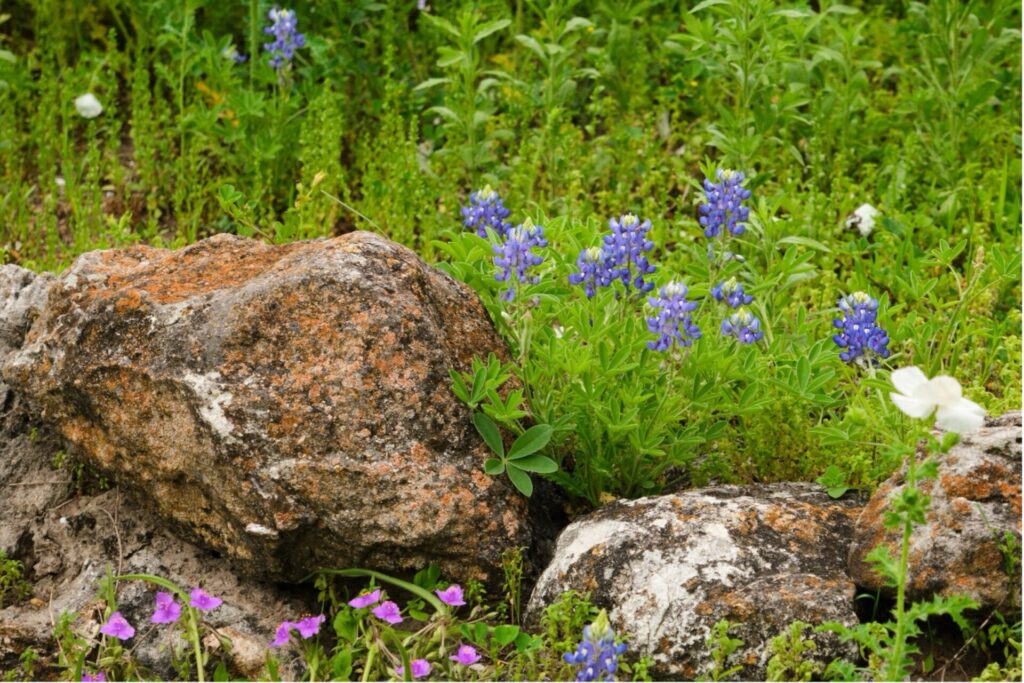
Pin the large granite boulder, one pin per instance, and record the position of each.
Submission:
(975, 501)
(287, 406)
(668, 568)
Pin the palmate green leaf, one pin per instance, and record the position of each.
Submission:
(531, 441)
(505, 634)
(521, 480)
(490, 432)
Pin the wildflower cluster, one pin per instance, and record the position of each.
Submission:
(486, 210)
(515, 256)
(743, 325)
(597, 655)
(622, 257)
(287, 39)
(307, 628)
(723, 204)
(859, 333)
(731, 292)
(672, 321)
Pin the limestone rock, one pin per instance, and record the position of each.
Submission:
(974, 501)
(668, 568)
(288, 406)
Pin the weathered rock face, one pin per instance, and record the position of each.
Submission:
(668, 568)
(974, 501)
(288, 406)
(22, 295)
(67, 542)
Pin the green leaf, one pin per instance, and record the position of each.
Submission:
(521, 480)
(489, 28)
(427, 578)
(432, 82)
(494, 466)
(490, 433)
(221, 672)
(505, 634)
(345, 626)
(541, 464)
(531, 441)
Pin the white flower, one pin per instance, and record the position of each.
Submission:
(88, 106)
(863, 219)
(919, 396)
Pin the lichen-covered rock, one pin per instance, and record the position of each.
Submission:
(22, 295)
(668, 568)
(975, 500)
(288, 406)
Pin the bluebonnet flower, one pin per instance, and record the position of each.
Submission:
(515, 255)
(286, 38)
(743, 325)
(723, 204)
(486, 210)
(232, 53)
(594, 271)
(597, 655)
(731, 292)
(625, 250)
(858, 332)
(672, 321)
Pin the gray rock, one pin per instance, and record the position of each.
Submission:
(22, 296)
(288, 406)
(975, 500)
(668, 568)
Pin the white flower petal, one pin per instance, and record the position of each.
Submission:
(88, 106)
(907, 380)
(944, 390)
(961, 417)
(913, 407)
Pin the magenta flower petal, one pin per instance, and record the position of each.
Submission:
(466, 655)
(365, 600)
(167, 610)
(118, 627)
(282, 634)
(388, 611)
(452, 595)
(309, 626)
(420, 668)
(200, 599)
(100, 677)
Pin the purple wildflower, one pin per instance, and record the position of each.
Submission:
(452, 595)
(420, 668)
(365, 600)
(743, 325)
(672, 321)
(625, 252)
(597, 655)
(515, 255)
(486, 210)
(309, 626)
(732, 293)
(118, 627)
(282, 634)
(723, 204)
(286, 38)
(859, 334)
(200, 599)
(232, 53)
(99, 677)
(466, 655)
(388, 611)
(594, 270)
(167, 609)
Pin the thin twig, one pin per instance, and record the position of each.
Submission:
(352, 209)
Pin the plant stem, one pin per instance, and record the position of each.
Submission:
(193, 628)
